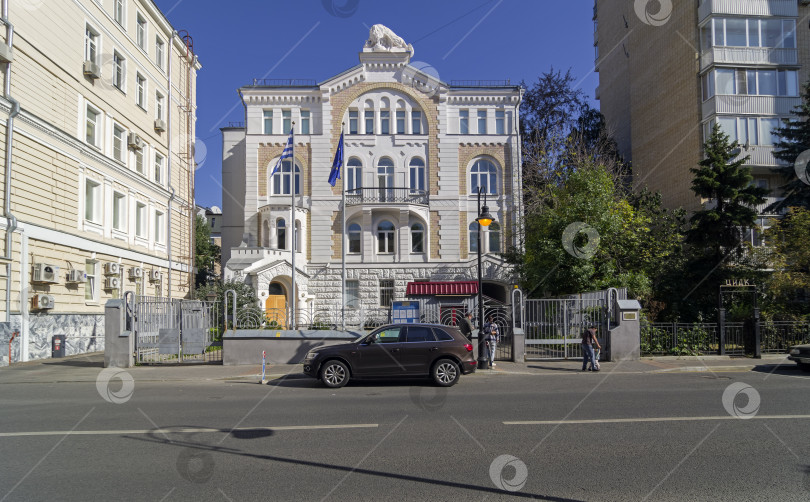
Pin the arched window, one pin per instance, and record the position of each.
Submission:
(297, 238)
(494, 231)
(354, 174)
(281, 179)
(354, 238)
(474, 237)
(417, 174)
(484, 174)
(281, 234)
(417, 238)
(385, 173)
(275, 289)
(385, 237)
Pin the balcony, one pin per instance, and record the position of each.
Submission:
(748, 55)
(390, 195)
(744, 104)
(786, 8)
(760, 156)
(761, 209)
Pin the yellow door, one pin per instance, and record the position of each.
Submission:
(276, 311)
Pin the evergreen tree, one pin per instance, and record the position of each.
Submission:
(794, 139)
(727, 183)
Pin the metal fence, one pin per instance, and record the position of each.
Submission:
(176, 331)
(554, 326)
(777, 337)
(704, 338)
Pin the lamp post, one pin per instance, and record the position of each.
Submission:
(484, 220)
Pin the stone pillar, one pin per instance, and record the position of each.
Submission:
(518, 345)
(119, 341)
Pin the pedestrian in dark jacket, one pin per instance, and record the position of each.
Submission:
(466, 325)
(588, 342)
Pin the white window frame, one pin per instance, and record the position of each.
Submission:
(417, 174)
(119, 63)
(93, 201)
(354, 121)
(140, 90)
(141, 31)
(141, 223)
(119, 203)
(120, 7)
(352, 294)
(489, 176)
(267, 121)
(91, 286)
(464, 121)
(160, 52)
(386, 238)
(286, 121)
(306, 124)
(92, 44)
(387, 292)
(481, 119)
(412, 231)
(354, 174)
(160, 105)
(97, 125)
(138, 164)
(500, 122)
(354, 233)
(159, 168)
(283, 175)
(159, 227)
(416, 122)
(122, 150)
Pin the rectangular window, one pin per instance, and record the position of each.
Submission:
(725, 81)
(92, 126)
(118, 144)
(158, 168)
(482, 121)
(118, 12)
(91, 286)
(353, 122)
(464, 122)
(286, 121)
(140, 91)
(140, 32)
(386, 292)
(753, 33)
(159, 103)
(369, 121)
(119, 212)
(767, 133)
(736, 32)
(400, 122)
(416, 122)
(500, 122)
(92, 201)
(719, 32)
(159, 231)
(140, 220)
(353, 294)
(118, 71)
(268, 121)
(139, 161)
(385, 122)
(305, 122)
(729, 126)
(767, 82)
(159, 49)
(90, 45)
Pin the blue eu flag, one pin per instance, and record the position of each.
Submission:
(334, 174)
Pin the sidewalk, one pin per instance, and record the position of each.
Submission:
(86, 368)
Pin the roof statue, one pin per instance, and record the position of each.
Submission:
(382, 39)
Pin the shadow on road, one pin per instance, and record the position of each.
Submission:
(77, 363)
(788, 369)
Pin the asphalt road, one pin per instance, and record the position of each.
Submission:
(564, 437)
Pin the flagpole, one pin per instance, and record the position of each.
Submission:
(292, 223)
(343, 233)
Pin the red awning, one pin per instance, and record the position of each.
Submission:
(462, 288)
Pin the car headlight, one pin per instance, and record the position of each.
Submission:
(795, 352)
(311, 355)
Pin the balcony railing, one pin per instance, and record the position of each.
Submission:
(389, 195)
(744, 104)
(787, 8)
(748, 55)
(760, 155)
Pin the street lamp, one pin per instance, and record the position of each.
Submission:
(484, 220)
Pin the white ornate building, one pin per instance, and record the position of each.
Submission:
(416, 151)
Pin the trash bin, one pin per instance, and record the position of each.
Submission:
(58, 346)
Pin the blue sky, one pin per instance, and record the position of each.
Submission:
(239, 40)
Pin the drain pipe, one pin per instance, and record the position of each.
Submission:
(169, 162)
(11, 220)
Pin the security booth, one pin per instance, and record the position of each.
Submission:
(625, 336)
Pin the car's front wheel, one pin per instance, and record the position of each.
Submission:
(334, 374)
(445, 373)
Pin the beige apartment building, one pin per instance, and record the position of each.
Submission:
(98, 174)
(669, 72)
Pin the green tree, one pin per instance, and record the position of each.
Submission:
(726, 183)
(206, 254)
(789, 286)
(246, 299)
(794, 139)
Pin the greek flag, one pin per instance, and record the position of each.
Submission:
(334, 174)
(285, 154)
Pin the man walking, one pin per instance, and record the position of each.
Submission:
(491, 336)
(466, 325)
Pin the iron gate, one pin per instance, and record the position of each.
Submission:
(175, 331)
(554, 327)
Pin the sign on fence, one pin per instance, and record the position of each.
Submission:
(405, 312)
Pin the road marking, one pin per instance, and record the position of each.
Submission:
(657, 419)
(186, 430)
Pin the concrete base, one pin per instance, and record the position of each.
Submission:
(281, 347)
(119, 345)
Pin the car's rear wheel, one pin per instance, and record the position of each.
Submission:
(445, 373)
(334, 374)
(804, 366)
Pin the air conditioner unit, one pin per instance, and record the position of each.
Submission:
(155, 275)
(76, 276)
(91, 69)
(160, 125)
(42, 302)
(112, 268)
(134, 141)
(112, 283)
(6, 53)
(135, 273)
(44, 272)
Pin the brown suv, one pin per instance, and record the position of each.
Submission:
(395, 350)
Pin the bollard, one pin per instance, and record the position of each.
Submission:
(264, 360)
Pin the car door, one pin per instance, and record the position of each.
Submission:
(419, 350)
(381, 355)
